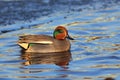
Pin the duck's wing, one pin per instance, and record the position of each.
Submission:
(35, 39)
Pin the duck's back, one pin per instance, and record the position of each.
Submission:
(35, 39)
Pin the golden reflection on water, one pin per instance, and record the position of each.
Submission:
(91, 38)
(60, 59)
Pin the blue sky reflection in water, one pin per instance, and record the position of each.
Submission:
(95, 52)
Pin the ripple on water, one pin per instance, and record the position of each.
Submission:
(94, 52)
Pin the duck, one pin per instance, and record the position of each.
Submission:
(59, 42)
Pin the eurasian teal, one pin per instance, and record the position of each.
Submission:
(45, 43)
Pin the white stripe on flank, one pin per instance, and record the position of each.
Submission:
(44, 42)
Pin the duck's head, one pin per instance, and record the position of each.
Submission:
(61, 33)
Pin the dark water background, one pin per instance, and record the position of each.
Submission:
(95, 52)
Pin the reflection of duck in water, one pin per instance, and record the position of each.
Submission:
(46, 44)
(61, 58)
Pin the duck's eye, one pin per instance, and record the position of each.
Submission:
(57, 32)
(60, 31)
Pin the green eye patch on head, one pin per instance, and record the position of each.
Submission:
(56, 32)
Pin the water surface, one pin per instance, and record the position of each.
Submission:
(95, 52)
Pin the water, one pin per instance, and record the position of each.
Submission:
(95, 52)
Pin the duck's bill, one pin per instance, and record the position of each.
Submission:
(69, 37)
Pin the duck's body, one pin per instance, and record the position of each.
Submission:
(44, 43)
